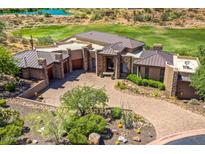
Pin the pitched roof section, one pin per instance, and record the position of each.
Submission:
(112, 49)
(29, 59)
(155, 58)
(107, 38)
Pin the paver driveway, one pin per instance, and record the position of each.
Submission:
(166, 117)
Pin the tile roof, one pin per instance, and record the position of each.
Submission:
(29, 59)
(155, 58)
(107, 38)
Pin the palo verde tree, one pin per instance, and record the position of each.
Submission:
(85, 99)
(7, 63)
(198, 79)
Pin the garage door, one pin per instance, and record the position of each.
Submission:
(77, 64)
(185, 91)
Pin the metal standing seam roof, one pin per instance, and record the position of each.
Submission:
(155, 58)
(107, 38)
(112, 49)
(29, 59)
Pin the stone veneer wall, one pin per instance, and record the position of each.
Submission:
(170, 80)
(36, 88)
(100, 63)
(58, 70)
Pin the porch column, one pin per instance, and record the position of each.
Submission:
(42, 62)
(117, 66)
(85, 59)
(70, 60)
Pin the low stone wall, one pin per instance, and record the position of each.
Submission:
(38, 87)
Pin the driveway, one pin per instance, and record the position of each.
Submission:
(166, 117)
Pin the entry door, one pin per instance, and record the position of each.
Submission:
(124, 68)
(110, 65)
(93, 64)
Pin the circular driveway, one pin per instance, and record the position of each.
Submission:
(166, 117)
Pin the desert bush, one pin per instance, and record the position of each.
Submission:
(87, 124)
(2, 102)
(77, 138)
(128, 119)
(85, 99)
(10, 86)
(45, 40)
(116, 113)
(194, 102)
(121, 85)
(11, 126)
(164, 16)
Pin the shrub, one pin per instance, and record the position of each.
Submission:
(134, 78)
(128, 119)
(11, 86)
(2, 102)
(121, 85)
(85, 99)
(194, 102)
(45, 40)
(11, 126)
(75, 137)
(87, 124)
(145, 82)
(116, 113)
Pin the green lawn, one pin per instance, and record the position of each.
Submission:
(173, 39)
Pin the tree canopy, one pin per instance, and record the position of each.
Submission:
(198, 79)
(7, 63)
(84, 99)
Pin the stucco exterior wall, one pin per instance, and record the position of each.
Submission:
(33, 73)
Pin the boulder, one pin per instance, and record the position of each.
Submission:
(122, 139)
(28, 141)
(136, 139)
(109, 120)
(94, 138)
(35, 142)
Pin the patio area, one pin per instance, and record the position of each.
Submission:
(166, 117)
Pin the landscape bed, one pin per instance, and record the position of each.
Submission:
(142, 133)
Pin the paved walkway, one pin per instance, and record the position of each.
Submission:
(166, 117)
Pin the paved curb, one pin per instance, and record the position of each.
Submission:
(176, 136)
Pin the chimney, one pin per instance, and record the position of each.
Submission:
(59, 56)
(42, 62)
(158, 47)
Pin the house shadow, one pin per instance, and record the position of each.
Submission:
(73, 76)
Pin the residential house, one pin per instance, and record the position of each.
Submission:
(103, 53)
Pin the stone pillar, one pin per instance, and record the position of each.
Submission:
(58, 66)
(70, 60)
(85, 58)
(117, 66)
(42, 62)
(170, 80)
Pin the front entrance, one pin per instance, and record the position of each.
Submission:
(93, 64)
(50, 73)
(110, 64)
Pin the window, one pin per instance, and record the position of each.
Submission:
(161, 75)
(146, 72)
